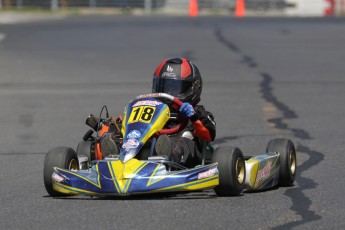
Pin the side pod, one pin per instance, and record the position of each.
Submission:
(262, 171)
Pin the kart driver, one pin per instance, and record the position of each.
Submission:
(180, 78)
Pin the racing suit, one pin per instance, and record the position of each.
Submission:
(187, 144)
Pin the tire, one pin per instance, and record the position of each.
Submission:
(288, 160)
(232, 171)
(61, 157)
(84, 148)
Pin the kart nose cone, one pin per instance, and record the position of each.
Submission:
(127, 157)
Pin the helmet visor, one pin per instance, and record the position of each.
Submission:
(174, 87)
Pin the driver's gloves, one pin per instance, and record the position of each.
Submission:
(187, 110)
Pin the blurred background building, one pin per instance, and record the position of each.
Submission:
(253, 7)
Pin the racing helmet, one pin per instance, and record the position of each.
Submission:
(180, 78)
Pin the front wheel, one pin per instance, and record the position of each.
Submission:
(61, 157)
(232, 171)
(288, 159)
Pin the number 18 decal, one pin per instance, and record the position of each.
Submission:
(142, 114)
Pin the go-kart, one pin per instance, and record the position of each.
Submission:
(137, 169)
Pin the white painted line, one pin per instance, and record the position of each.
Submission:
(2, 37)
(15, 18)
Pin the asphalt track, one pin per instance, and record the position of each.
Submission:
(263, 78)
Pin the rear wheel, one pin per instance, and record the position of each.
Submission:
(232, 171)
(288, 160)
(60, 157)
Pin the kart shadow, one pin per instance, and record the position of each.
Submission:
(209, 194)
(265, 190)
(201, 195)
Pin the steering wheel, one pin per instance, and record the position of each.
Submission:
(176, 104)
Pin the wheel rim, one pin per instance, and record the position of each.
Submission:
(73, 165)
(292, 157)
(240, 170)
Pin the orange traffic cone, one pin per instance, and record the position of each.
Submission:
(193, 8)
(240, 10)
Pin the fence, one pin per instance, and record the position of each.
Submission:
(148, 4)
(285, 7)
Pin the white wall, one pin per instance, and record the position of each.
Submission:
(307, 7)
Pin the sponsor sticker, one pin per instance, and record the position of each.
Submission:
(147, 102)
(130, 144)
(168, 74)
(264, 173)
(57, 177)
(208, 173)
(169, 69)
(135, 134)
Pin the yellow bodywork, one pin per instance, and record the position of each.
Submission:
(157, 125)
(254, 165)
(124, 172)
